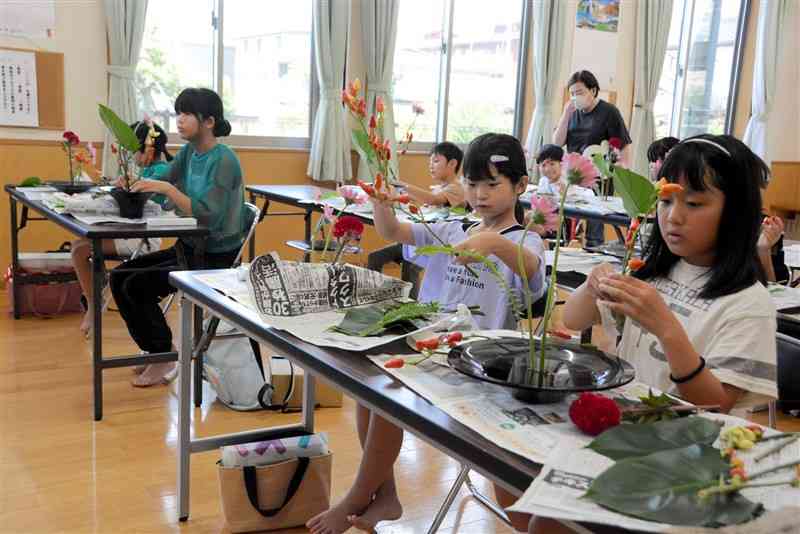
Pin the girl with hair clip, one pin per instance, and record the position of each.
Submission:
(203, 181)
(495, 175)
(150, 159)
(699, 322)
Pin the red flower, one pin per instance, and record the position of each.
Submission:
(403, 199)
(394, 363)
(615, 142)
(413, 209)
(372, 122)
(71, 138)
(594, 413)
(349, 226)
(635, 264)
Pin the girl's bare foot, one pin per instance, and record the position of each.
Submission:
(335, 520)
(385, 507)
(156, 374)
(86, 323)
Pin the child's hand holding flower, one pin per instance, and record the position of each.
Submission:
(483, 244)
(640, 301)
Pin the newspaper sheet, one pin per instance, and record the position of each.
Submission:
(578, 261)
(557, 492)
(313, 328)
(532, 431)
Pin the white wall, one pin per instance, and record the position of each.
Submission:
(81, 36)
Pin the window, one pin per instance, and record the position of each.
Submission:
(473, 53)
(697, 85)
(259, 63)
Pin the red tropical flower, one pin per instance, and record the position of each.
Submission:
(635, 264)
(71, 137)
(615, 142)
(348, 226)
(594, 413)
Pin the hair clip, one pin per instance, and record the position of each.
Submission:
(707, 142)
(498, 158)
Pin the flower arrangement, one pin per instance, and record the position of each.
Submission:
(353, 196)
(605, 157)
(126, 146)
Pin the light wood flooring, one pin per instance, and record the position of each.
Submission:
(62, 472)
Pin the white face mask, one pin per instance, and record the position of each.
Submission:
(581, 102)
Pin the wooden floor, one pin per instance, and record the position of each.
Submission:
(62, 472)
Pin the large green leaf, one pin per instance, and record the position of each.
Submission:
(361, 142)
(663, 487)
(601, 163)
(122, 132)
(626, 441)
(638, 193)
(375, 319)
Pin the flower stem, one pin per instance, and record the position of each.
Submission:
(339, 252)
(777, 448)
(769, 470)
(528, 297)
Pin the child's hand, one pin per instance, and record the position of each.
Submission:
(771, 231)
(595, 276)
(640, 301)
(482, 243)
(151, 186)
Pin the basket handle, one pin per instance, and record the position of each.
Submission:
(250, 484)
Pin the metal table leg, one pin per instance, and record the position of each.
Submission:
(97, 327)
(184, 410)
(198, 333)
(15, 255)
(486, 502)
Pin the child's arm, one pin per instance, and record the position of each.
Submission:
(183, 202)
(488, 243)
(387, 225)
(580, 311)
(425, 196)
(641, 302)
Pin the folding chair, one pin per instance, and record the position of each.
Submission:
(788, 371)
(252, 218)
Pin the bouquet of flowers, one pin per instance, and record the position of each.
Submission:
(79, 160)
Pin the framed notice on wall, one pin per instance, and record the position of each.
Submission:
(18, 91)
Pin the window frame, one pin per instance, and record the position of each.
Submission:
(445, 62)
(217, 75)
(684, 50)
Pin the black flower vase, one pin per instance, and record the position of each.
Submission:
(131, 205)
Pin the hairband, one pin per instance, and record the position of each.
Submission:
(708, 142)
(498, 158)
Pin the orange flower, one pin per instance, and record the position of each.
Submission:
(362, 108)
(345, 97)
(403, 199)
(666, 189)
(355, 87)
(378, 181)
(635, 264)
(379, 106)
(413, 209)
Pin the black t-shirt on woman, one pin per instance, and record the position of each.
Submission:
(596, 126)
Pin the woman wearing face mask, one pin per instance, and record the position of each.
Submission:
(588, 120)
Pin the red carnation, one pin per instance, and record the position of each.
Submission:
(349, 226)
(594, 413)
(71, 138)
(615, 142)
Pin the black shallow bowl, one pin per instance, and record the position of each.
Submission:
(570, 368)
(71, 188)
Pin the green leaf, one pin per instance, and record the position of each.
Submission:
(625, 441)
(663, 487)
(122, 132)
(361, 142)
(601, 163)
(458, 211)
(375, 319)
(31, 181)
(638, 193)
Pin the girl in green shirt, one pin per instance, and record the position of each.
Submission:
(82, 248)
(203, 181)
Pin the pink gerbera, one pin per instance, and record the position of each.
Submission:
(579, 170)
(544, 212)
(352, 194)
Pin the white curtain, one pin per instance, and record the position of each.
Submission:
(772, 18)
(125, 30)
(330, 141)
(378, 37)
(652, 31)
(549, 17)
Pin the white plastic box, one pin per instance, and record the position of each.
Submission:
(45, 261)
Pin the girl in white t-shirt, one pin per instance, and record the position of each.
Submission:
(699, 321)
(495, 175)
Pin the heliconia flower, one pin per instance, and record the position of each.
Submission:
(417, 109)
(354, 87)
(545, 212)
(348, 226)
(666, 189)
(372, 122)
(579, 170)
(362, 108)
(635, 264)
(615, 142)
(379, 105)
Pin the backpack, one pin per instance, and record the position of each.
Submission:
(233, 366)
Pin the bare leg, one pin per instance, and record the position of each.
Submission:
(81, 259)
(381, 443)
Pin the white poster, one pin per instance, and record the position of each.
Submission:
(18, 97)
(28, 18)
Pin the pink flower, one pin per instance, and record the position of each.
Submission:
(579, 170)
(92, 152)
(417, 109)
(544, 212)
(352, 194)
(327, 213)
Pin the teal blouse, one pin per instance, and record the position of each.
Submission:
(213, 182)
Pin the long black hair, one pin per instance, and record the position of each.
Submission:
(658, 149)
(504, 147)
(738, 174)
(141, 129)
(203, 103)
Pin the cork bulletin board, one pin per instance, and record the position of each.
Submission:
(49, 89)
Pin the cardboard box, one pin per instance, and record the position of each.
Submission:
(326, 395)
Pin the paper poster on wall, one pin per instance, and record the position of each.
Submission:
(18, 96)
(602, 15)
(28, 18)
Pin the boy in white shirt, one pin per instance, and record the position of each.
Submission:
(549, 162)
